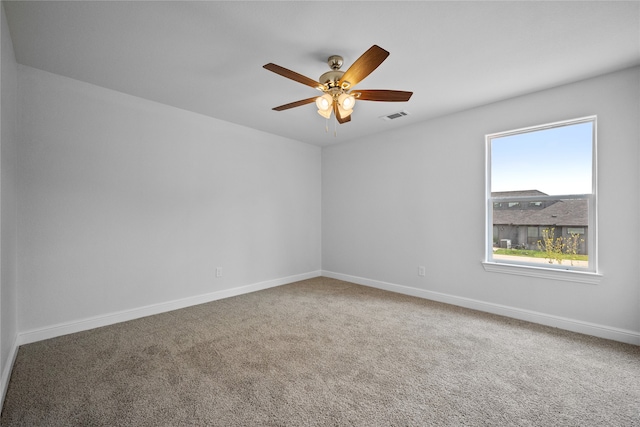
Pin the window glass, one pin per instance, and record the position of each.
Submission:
(544, 176)
(556, 160)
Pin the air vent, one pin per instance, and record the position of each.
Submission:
(395, 116)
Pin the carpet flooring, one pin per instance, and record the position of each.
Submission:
(324, 352)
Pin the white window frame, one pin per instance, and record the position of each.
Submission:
(589, 275)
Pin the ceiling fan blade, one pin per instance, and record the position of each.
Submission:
(295, 104)
(340, 119)
(383, 95)
(369, 61)
(284, 72)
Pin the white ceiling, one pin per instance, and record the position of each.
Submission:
(207, 56)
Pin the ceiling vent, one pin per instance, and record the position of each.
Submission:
(395, 116)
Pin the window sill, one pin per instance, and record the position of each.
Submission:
(544, 273)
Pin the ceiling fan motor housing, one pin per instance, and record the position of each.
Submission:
(331, 78)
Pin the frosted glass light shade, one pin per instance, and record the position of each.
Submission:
(325, 113)
(346, 101)
(344, 113)
(324, 102)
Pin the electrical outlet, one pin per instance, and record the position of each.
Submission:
(218, 271)
(422, 271)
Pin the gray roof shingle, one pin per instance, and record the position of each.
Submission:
(566, 212)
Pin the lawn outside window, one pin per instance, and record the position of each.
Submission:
(541, 201)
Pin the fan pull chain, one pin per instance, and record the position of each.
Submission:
(335, 128)
(326, 126)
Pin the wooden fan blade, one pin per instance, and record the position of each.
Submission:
(340, 119)
(295, 104)
(284, 72)
(383, 95)
(369, 61)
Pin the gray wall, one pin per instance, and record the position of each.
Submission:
(406, 198)
(8, 227)
(125, 203)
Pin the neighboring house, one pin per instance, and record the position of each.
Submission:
(520, 224)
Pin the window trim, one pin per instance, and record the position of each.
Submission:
(527, 270)
(590, 274)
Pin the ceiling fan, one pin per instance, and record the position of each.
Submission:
(337, 86)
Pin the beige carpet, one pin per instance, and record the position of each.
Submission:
(328, 353)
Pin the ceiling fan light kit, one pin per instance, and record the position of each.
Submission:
(337, 85)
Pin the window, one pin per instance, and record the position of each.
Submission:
(533, 235)
(546, 177)
(576, 230)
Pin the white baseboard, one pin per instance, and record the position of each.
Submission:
(602, 331)
(27, 337)
(6, 371)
